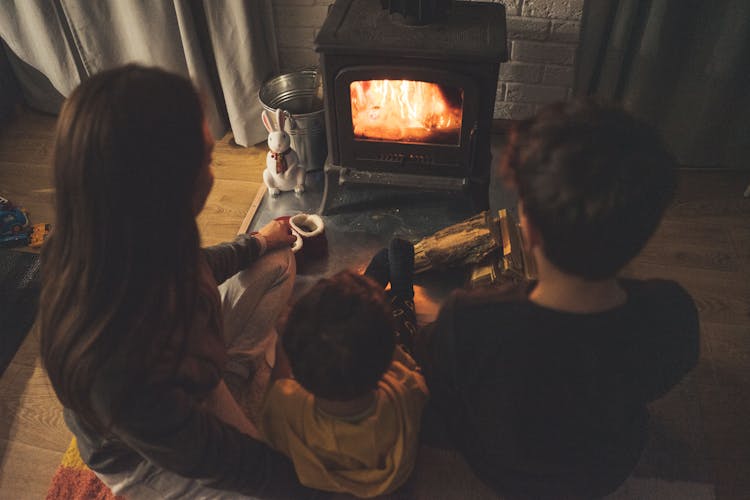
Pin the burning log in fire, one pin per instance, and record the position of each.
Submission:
(405, 111)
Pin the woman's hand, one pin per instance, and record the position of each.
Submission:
(278, 234)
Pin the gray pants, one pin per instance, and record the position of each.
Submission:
(251, 302)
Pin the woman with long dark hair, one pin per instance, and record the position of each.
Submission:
(135, 334)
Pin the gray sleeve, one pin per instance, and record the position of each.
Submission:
(226, 259)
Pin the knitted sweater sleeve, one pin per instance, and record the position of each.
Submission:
(226, 259)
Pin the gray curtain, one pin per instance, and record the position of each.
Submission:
(10, 92)
(227, 48)
(683, 65)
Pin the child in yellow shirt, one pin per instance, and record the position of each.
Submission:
(349, 417)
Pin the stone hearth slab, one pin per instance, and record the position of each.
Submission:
(364, 220)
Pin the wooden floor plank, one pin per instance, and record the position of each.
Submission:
(740, 234)
(31, 412)
(238, 163)
(225, 209)
(31, 124)
(26, 471)
(19, 147)
(686, 244)
(11, 374)
(28, 352)
(729, 354)
(720, 296)
(704, 255)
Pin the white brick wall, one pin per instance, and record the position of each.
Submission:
(542, 38)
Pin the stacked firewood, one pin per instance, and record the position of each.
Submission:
(492, 247)
(461, 244)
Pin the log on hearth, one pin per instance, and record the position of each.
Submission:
(461, 244)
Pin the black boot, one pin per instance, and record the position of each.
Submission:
(401, 265)
(377, 269)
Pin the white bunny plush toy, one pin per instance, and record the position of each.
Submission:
(283, 171)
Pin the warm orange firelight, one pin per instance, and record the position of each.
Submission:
(405, 111)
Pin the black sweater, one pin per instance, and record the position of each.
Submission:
(545, 403)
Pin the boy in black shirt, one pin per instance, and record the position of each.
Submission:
(544, 387)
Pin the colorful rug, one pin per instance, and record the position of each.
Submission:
(74, 481)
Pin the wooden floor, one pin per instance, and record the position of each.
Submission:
(700, 431)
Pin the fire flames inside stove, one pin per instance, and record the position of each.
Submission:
(406, 111)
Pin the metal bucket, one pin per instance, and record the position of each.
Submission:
(300, 96)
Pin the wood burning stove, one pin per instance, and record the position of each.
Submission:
(410, 104)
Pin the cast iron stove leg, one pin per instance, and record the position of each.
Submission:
(330, 187)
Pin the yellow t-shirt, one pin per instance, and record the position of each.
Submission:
(366, 456)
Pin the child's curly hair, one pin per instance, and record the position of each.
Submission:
(339, 337)
(593, 180)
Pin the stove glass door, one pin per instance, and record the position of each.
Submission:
(406, 111)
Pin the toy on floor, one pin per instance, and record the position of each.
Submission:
(283, 171)
(16, 228)
(14, 224)
(13, 219)
(38, 234)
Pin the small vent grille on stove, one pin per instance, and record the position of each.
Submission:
(406, 158)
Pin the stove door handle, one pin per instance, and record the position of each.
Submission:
(473, 148)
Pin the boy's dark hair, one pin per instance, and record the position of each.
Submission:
(593, 180)
(339, 337)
